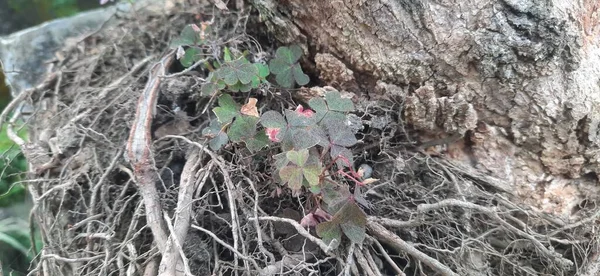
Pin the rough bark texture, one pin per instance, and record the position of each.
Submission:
(519, 79)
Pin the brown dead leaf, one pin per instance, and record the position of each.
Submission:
(221, 5)
(250, 108)
(370, 180)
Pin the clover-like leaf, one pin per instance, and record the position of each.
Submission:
(334, 196)
(190, 35)
(300, 170)
(227, 109)
(275, 125)
(243, 127)
(353, 221)
(239, 70)
(298, 157)
(286, 68)
(340, 134)
(330, 231)
(331, 109)
(349, 219)
(218, 138)
(190, 56)
(292, 175)
(256, 143)
(340, 137)
(335, 102)
(240, 87)
(263, 70)
(213, 86)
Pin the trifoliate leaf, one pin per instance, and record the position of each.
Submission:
(257, 142)
(243, 127)
(213, 86)
(335, 102)
(298, 157)
(214, 132)
(190, 35)
(286, 68)
(330, 232)
(238, 70)
(227, 109)
(292, 175)
(190, 56)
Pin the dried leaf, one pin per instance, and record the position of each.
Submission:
(370, 181)
(250, 108)
(220, 5)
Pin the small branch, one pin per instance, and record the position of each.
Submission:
(387, 257)
(70, 260)
(183, 213)
(167, 269)
(397, 243)
(395, 223)
(349, 260)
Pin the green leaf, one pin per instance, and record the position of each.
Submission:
(334, 196)
(336, 151)
(307, 137)
(243, 126)
(256, 143)
(213, 86)
(226, 55)
(263, 70)
(298, 157)
(238, 70)
(292, 175)
(296, 119)
(12, 242)
(332, 109)
(218, 138)
(311, 174)
(330, 231)
(340, 134)
(301, 78)
(281, 160)
(190, 35)
(335, 102)
(286, 68)
(227, 109)
(305, 168)
(240, 87)
(191, 55)
(353, 221)
(272, 119)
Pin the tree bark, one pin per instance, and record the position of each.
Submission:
(517, 79)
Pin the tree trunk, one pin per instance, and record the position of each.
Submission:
(517, 80)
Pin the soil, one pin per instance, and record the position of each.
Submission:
(427, 214)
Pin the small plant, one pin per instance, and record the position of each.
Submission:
(286, 67)
(314, 140)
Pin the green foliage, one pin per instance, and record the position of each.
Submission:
(314, 142)
(234, 124)
(286, 67)
(12, 165)
(300, 170)
(190, 36)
